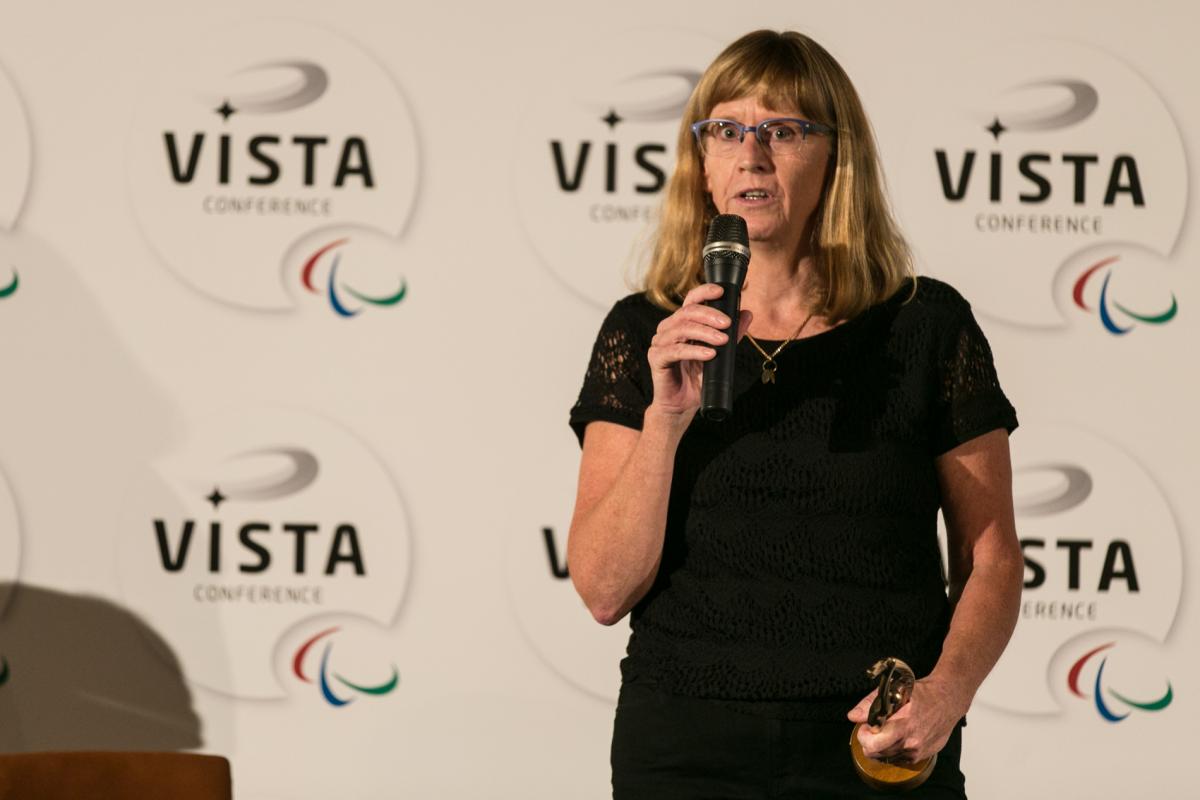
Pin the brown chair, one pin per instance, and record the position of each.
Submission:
(114, 776)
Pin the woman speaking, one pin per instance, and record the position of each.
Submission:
(769, 559)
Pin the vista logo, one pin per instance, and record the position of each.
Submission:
(1037, 173)
(1037, 152)
(259, 138)
(259, 159)
(595, 153)
(1102, 557)
(260, 521)
(293, 543)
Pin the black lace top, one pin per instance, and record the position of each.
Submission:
(801, 533)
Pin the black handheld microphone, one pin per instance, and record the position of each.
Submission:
(726, 256)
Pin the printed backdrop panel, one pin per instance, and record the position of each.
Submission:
(294, 300)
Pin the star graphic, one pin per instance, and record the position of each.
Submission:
(216, 498)
(613, 118)
(996, 128)
(225, 110)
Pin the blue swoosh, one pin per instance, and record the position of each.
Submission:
(333, 298)
(1104, 315)
(333, 699)
(1103, 709)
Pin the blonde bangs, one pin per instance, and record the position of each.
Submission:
(778, 80)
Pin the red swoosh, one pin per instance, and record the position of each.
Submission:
(298, 661)
(1073, 675)
(312, 262)
(1077, 293)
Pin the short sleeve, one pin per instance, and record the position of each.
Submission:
(970, 400)
(616, 387)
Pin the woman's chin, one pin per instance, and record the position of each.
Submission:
(766, 233)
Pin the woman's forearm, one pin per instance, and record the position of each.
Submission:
(985, 615)
(616, 539)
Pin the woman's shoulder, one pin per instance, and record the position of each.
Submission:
(929, 298)
(937, 294)
(639, 304)
(924, 309)
(637, 312)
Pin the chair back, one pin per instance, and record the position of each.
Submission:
(114, 776)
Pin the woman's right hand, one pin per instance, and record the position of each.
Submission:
(681, 345)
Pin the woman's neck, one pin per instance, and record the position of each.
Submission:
(781, 291)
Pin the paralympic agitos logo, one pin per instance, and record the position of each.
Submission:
(339, 294)
(1111, 704)
(266, 137)
(1033, 156)
(259, 522)
(1116, 317)
(336, 690)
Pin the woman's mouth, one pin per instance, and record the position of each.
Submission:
(754, 195)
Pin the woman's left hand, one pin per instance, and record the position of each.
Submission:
(918, 730)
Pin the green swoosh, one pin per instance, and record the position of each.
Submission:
(381, 301)
(12, 287)
(1156, 319)
(383, 688)
(1157, 705)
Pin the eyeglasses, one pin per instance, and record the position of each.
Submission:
(785, 136)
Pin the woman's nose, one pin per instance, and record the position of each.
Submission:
(751, 153)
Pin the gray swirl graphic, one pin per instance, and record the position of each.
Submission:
(1074, 487)
(300, 475)
(1081, 104)
(310, 84)
(665, 108)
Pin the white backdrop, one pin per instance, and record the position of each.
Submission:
(297, 411)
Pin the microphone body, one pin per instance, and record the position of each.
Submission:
(726, 257)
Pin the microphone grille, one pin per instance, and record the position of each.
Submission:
(728, 228)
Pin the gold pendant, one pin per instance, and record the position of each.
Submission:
(768, 371)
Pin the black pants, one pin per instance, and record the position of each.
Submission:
(666, 746)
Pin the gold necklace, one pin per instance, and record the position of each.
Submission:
(769, 366)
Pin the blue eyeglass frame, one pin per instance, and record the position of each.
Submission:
(806, 125)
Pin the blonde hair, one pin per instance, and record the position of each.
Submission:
(861, 257)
